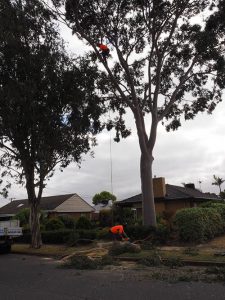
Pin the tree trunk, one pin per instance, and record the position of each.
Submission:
(148, 205)
(35, 224)
(34, 204)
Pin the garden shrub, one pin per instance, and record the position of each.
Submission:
(161, 234)
(56, 236)
(90, 234)
(105, 217)
(83, 223)
(198, 224)
(219, 206)
(54, 224)
(104, 234)
(72, 238)
(138, 232)
(68, 221)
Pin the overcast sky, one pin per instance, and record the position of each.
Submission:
(191, 154)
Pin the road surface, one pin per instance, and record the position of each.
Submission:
(28, 277)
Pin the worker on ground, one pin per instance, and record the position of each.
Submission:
(119, 233)
(104, 51)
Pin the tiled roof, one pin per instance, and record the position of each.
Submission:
(176, 192)
(47, 203)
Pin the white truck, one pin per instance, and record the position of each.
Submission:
(8, 231)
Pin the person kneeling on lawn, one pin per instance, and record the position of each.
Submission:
(119, 233)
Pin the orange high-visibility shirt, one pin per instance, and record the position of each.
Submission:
(117, 229)
(103, 47)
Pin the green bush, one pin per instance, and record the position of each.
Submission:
(56, 236)
(68, 222)
(23, 216)
(219, 206)
(161, 234)
(138, 232)
(54, 224)
(105, 217)
(104, 234)
(83, 223)
(73, 238)
(87, 234)
(198, 224)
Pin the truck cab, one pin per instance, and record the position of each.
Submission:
(8, 231)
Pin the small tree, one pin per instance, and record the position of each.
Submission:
(49, 110)
(104, 197)
(167, 63)
(218, 182)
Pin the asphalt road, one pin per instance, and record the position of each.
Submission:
(29, 277)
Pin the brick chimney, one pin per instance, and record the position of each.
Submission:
(159, 187)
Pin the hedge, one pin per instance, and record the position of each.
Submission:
(70, 236)
(220, 207)
(198, 224)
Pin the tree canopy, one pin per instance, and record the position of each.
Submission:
(49, 110)
(104, 197)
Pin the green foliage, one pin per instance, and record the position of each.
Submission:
(219, 206)
(162, 233)
(186, 59)
(152, 260)
(68, 221)
(104, 197)
(218, 271)
(173, 262)
(106, 217)
(123, 215)
(56, 236)
(124, 247)
(73, 238)
(104, 234)
(54, 224)
(83, 223)
(82, 263)
(49, 108)
(23, 216)
(198, 224)
(87, 234)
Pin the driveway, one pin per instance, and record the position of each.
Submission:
(29, 277)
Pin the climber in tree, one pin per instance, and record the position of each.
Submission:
(104, 50)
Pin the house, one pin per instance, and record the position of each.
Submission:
(169, 198)
(62, 205)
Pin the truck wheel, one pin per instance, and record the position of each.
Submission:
(8, 248)
(5, 248)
